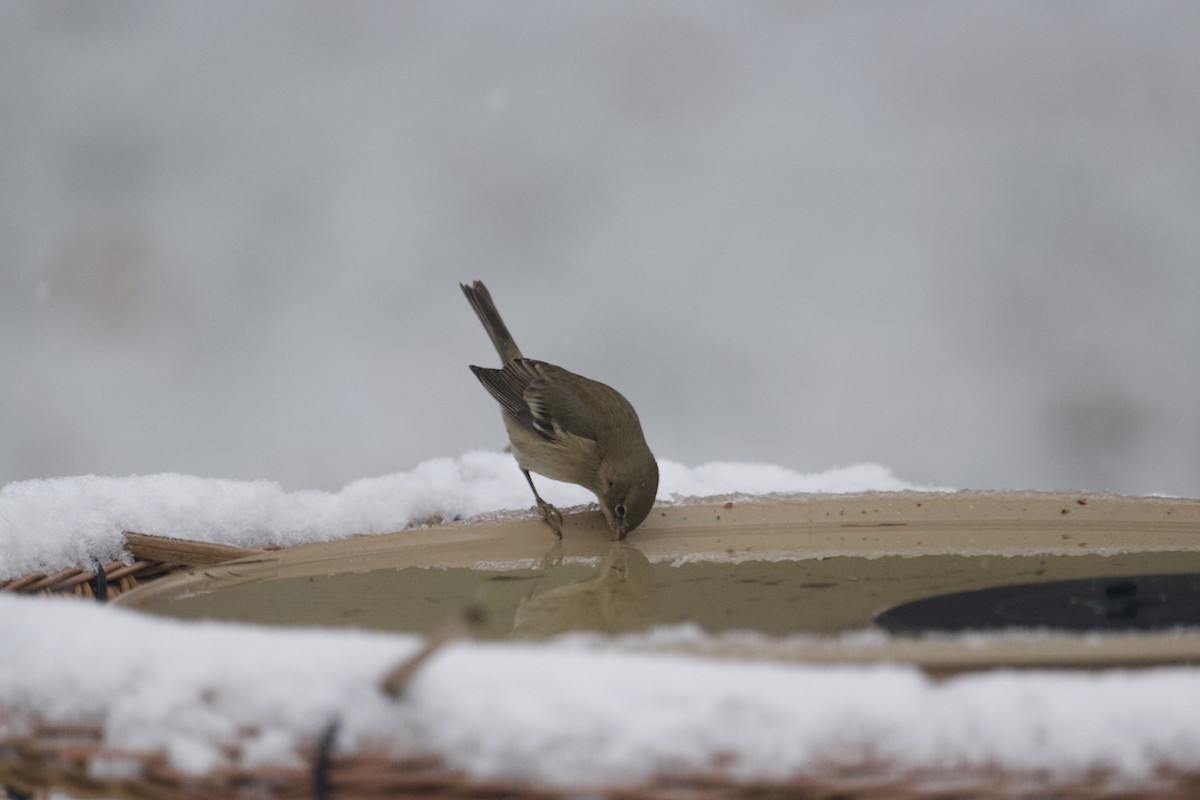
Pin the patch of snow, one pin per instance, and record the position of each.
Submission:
(57, 523)
(576, 711)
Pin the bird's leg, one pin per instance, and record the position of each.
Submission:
(550, 515)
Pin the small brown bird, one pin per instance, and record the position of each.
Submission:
(568, 427)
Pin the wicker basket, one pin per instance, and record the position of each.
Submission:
(73, 759)
(37, 757)
(153, 557)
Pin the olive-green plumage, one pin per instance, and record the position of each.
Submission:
(568, 427)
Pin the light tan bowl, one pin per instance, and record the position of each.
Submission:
(804, 575)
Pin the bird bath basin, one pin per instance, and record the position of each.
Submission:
(815, 578)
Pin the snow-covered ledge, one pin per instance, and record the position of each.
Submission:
(575, 713)
(51, 524)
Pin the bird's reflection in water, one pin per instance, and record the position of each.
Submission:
(622, 595)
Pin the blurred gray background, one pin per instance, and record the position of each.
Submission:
(960, 240)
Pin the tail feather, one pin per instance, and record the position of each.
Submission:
(481, 300)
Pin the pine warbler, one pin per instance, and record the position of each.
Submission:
(568, 427)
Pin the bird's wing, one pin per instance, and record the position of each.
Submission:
(527, 390)
(508, 388)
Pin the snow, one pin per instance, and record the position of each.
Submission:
(56, 523)
(579, 711)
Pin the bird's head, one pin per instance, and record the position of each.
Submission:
(627, 492)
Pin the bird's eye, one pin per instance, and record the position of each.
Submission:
(620, 509)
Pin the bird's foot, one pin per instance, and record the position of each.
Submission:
(551, 516)
(553, 557)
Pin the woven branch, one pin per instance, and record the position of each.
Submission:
(74, 759)
(154, 557)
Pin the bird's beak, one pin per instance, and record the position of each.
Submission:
(620, 533)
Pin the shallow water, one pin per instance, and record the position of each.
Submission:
(624, 591)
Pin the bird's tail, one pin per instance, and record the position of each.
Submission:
(481, 300)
